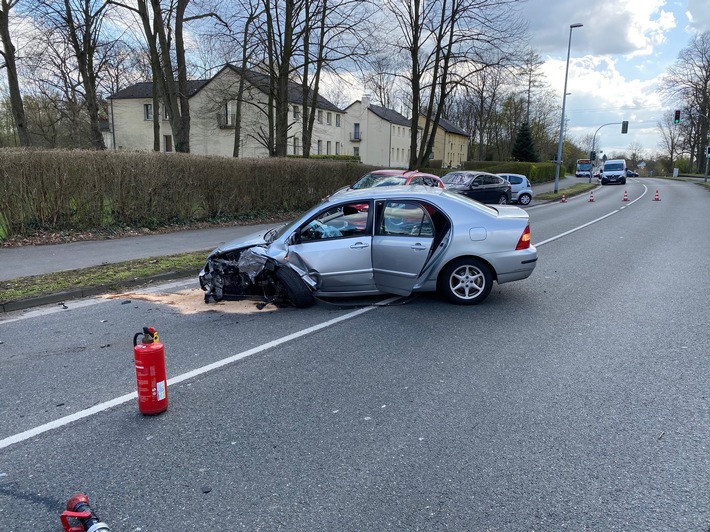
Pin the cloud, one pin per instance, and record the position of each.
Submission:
(619, 27)
(698, 15)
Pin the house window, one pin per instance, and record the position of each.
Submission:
(320, 147)
(356, 151)
(297, 146)
(320, 116)
(337, 147)
(327, 148)
(147, 111)
(329, 118)
(165, 113)
(167, 143)
(229, 114)
(337, 120)
(356, 131)
(296, 112)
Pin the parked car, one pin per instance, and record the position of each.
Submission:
(481, 186)
(395, 240)
(520, 188)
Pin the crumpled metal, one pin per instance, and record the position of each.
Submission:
(251, 262)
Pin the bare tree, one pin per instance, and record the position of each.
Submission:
(671, 136)
(80, 22)
(443, 42)
(688, 82)
(10, 64)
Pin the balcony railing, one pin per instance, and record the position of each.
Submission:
(355, 137)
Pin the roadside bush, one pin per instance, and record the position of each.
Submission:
(535, 172)
(81, 190)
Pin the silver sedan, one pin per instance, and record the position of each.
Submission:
(394, 240)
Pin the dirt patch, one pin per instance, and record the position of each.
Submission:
(191, 301)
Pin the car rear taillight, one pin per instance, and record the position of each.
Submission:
(524, 242)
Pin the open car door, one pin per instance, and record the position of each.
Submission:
(401, 245)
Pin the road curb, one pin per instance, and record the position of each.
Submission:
(92, 291)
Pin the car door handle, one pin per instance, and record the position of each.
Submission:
(419, 247)
(359, 245)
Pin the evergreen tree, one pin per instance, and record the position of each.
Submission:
(523, 149)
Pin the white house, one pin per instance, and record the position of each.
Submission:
(213, 117)
(379, 136)
(450, 143)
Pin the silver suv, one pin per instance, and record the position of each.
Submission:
(520, 188)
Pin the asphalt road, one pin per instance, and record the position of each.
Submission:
(574, 400)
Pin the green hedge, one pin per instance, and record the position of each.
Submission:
(535, 172)
(81, 190)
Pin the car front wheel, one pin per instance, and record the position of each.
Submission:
(466, 281)
(297, 291)
(525, 199)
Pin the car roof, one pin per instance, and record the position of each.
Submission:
(394, 172)
(473, 172)
(405, 192)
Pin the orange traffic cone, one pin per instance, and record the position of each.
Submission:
(656, 198)
(564, 198)
(591, 196)
(626, 196)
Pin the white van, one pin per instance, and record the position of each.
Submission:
(613, 171)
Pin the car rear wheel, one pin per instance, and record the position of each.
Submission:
(297, 291)
(503, 199)
(525, 199)
(466, 281)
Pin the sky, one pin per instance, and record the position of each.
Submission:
(617, 60)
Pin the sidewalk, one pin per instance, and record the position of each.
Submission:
(37, 260)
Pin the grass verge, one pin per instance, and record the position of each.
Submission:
(574, 190)
(107, 276)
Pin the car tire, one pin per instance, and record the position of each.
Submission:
(503, 200)
(297, 291)
(466, 281)
(524, 199)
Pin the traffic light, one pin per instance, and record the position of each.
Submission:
(593, 156)
(676, 119)
(625, 127)
(707, 154)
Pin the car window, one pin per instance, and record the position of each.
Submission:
(430, 181)
(337, 222)
(405, 218)
(514, 180)
(417, 181)
(454, 178)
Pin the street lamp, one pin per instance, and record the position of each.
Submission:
(564, 101)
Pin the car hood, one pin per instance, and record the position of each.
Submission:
(248, 241)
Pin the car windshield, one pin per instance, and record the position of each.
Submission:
(457, 179)
(379, 180)
(613, 167)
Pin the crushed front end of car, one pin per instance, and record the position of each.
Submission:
(256, 272)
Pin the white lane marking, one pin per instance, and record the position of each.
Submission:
(101, 407)
(561, 235)
(44, 311)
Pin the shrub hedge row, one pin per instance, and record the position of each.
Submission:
(535, 172)
(82, 190)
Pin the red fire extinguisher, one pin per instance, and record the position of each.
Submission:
(78, 508)
(149, 356)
